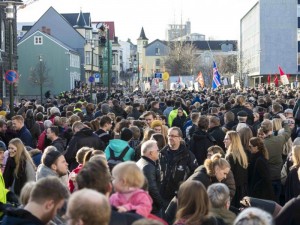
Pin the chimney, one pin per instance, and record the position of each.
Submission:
(44, 29)
(48, 31)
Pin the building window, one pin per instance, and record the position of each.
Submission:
(88, 57)
(74, 61)
(38, 40)
(157, 62)
(157, 51)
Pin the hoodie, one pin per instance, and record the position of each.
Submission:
(117, 146)
(59, 144)
(20, 217)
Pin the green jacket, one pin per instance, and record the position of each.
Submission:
(274, 145)
(3, 191)
(173, 115)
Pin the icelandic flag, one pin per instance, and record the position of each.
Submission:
(216, 77)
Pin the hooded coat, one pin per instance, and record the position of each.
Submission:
(117, 146)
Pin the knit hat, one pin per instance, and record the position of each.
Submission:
(126, 134)
(2, 146)
(51, 157)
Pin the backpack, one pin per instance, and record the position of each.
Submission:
(113, 160)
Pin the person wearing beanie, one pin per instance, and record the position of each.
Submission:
(117, 146)
(53, 164)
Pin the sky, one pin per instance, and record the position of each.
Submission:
(216, 19)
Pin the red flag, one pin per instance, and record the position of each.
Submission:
(200, 79)
(179, 80)
(288, 76)
(269, 78)
(283, 77)
(276, 80)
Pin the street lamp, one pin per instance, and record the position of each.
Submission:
(92, 70)
(41, 78)
(10, 16)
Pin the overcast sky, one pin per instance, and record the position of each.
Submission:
(217, 19)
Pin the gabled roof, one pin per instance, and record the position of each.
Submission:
(73, 17)
(60, 28)
(111, 25)
(58, 42)
(142, 35)
(157, 40)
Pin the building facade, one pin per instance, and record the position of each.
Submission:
(175, 31)
(268, 39)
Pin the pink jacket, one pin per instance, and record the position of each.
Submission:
(138, 200)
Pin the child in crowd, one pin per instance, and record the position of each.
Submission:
(128, 181)
(135, 141)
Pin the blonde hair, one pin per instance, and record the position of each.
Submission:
(130, 173)
(296, 155)
(236, 149)
(21, 154)
(277, 124)
(215, 160)
(25, 192)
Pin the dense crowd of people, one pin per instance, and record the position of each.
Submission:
(213, 157)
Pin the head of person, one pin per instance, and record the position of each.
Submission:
(52, 132)
(17, 122)
(234, 147)
(55, 160)
(136, 132)
(3, 126)
(81, 208)
(95, 175)
(245, 135)
(77, 126)
(47, 196)
(180, 112)
(25, 192)
(242, 116)
(267, 127)
(150, 150)
(214, 150)
(277, 124)
(156, 125)
(149, 117)
(217, 166)
(2, 150)
(174, 137)
(147, 134)
(160, 139)
(81, 154)
(106, 123)
(203, 123)
(18, 151)
(291, 122)
(256, 144)
(126, 134)
(219, 195)
(193, 203)
(276, 107)
(254, 216)
(127, 175)
(229, 117)
(214, 121)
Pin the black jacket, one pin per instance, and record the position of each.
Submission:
(20, 217)
(60, 144)
(175, 166)
(152, 173)
(179, 122)
(125, 218)
(119, 111)
(135, 114)
(199, 144)
(260, 184)
(219, 135)
(237, 108)
(83, 138)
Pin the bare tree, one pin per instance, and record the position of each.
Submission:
(181, 59)
(227, 64)
(39, 77)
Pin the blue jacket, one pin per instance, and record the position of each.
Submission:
(196, 99)
(118, 145)
(25, 136)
